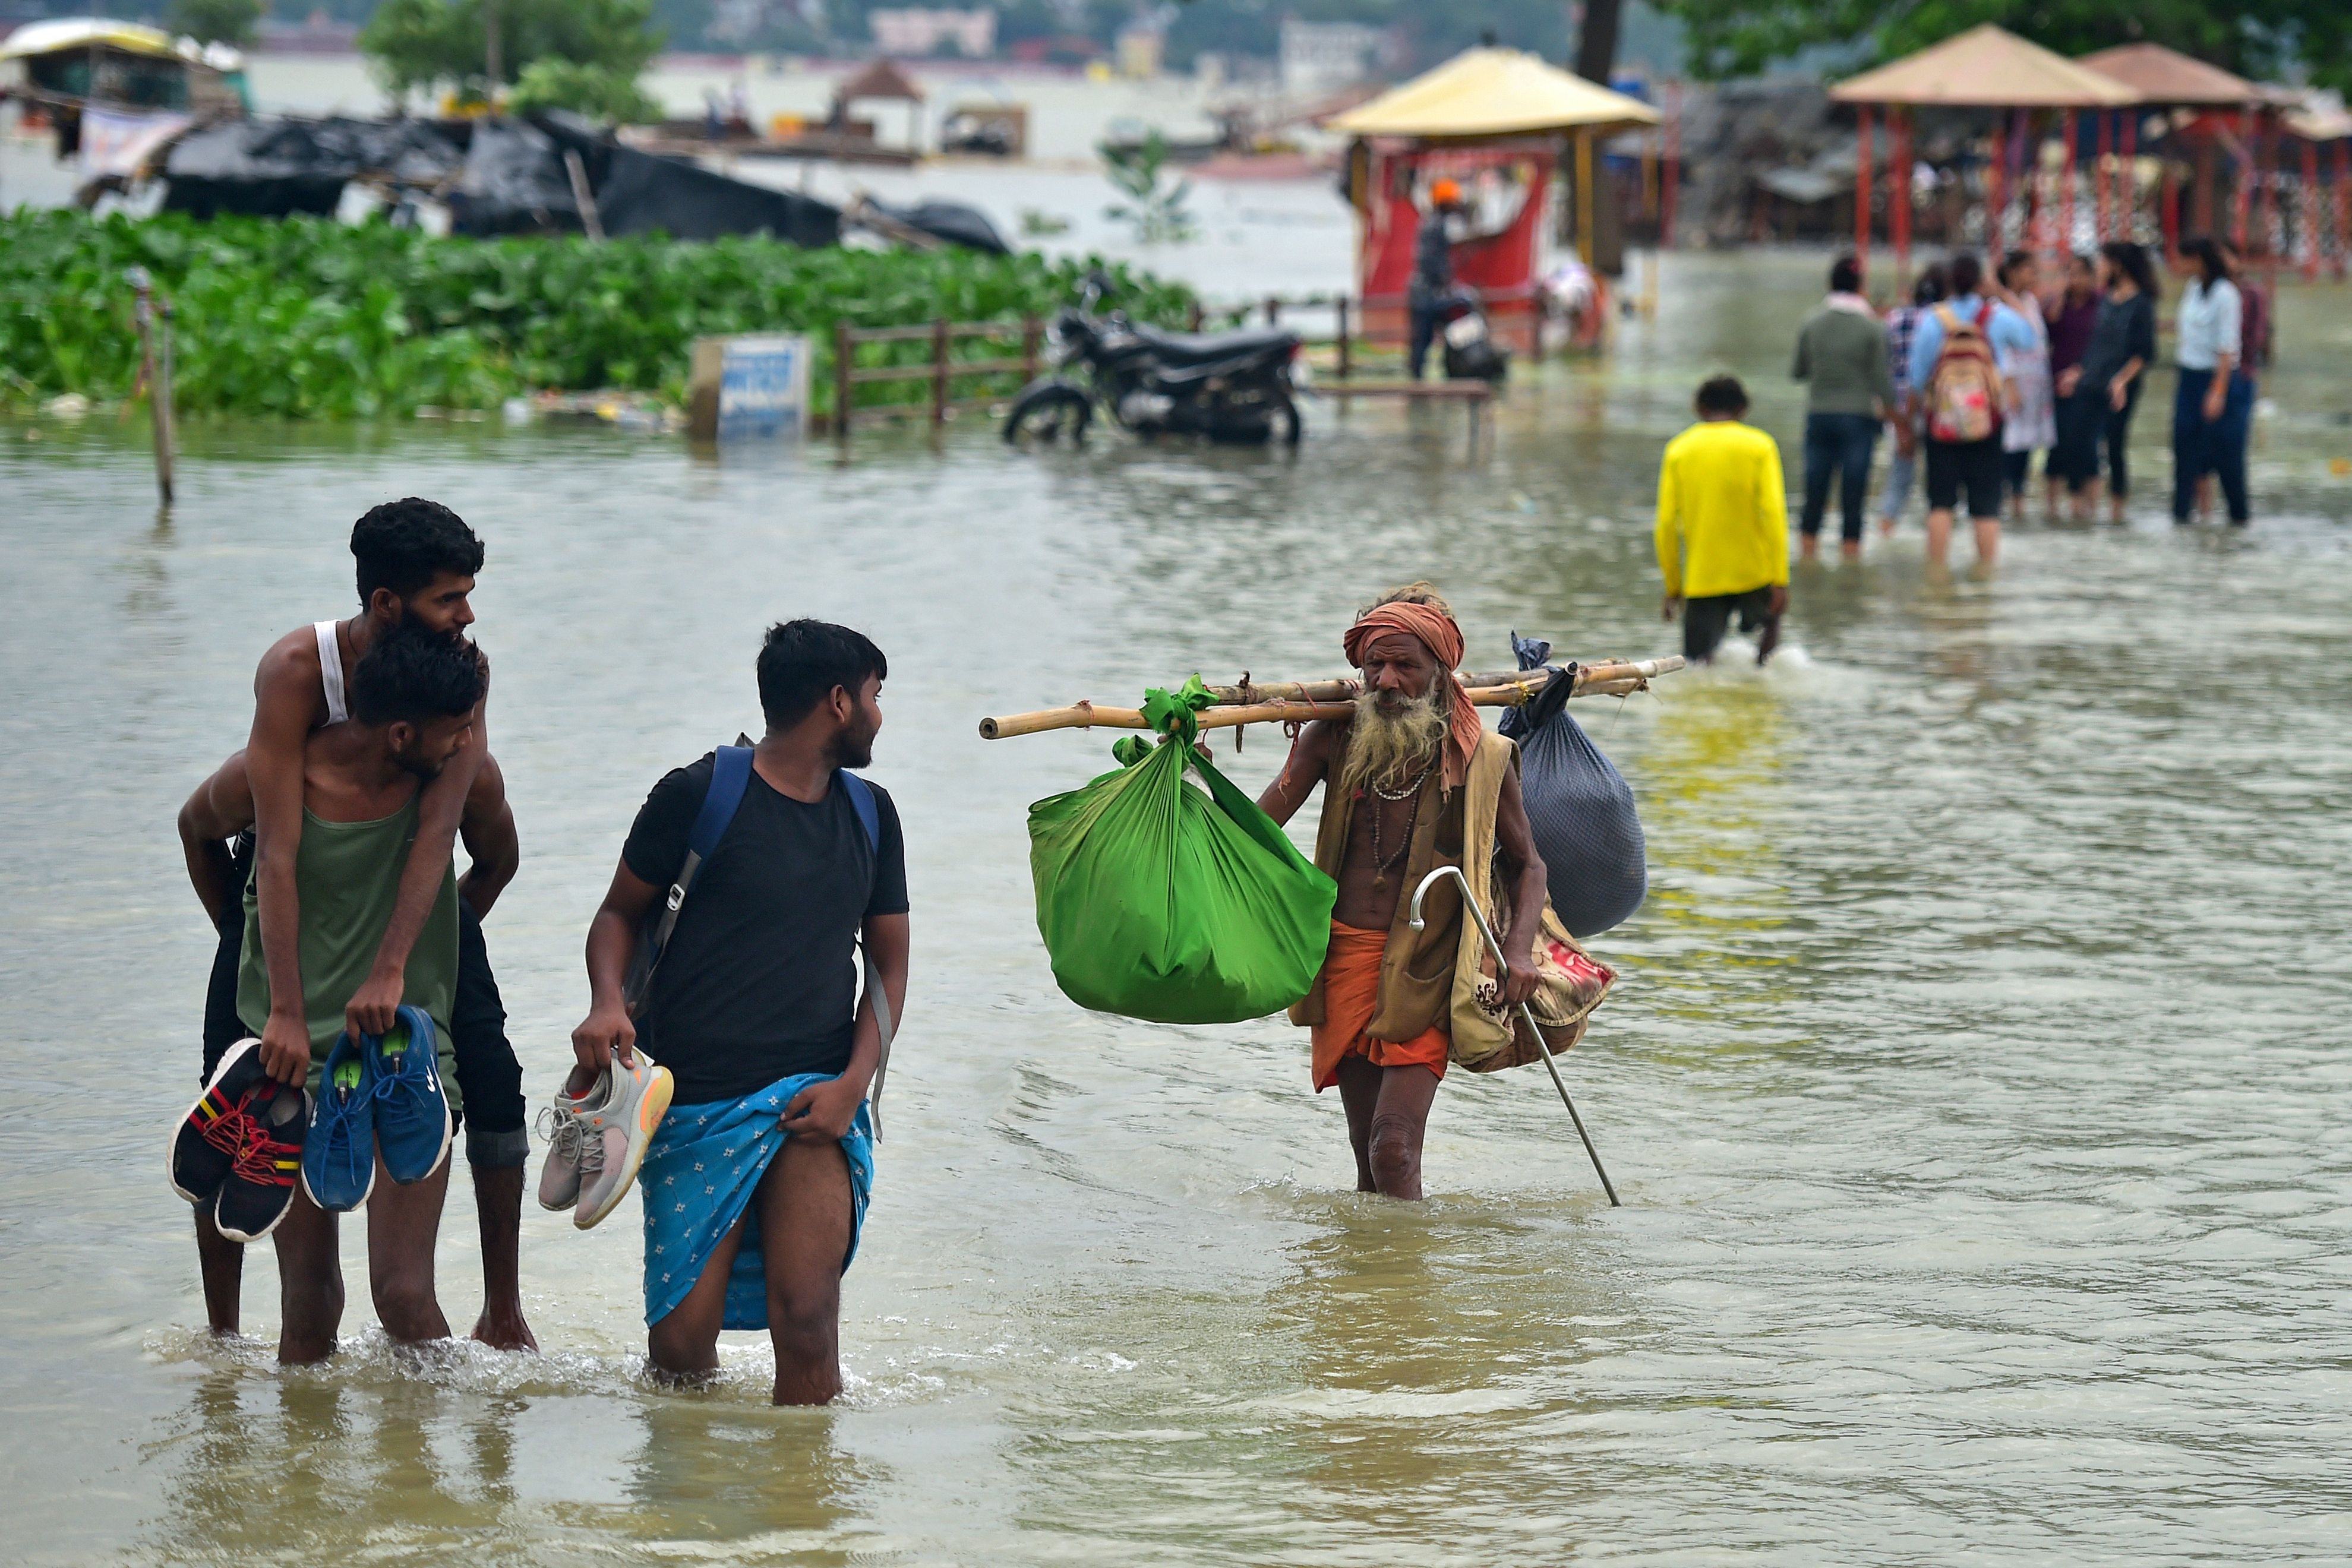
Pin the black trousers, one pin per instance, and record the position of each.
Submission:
(1425, 333)
(1706, 619)
(2088, 422)
(1837, 447)
(489, 1078)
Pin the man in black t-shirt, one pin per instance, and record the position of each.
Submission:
(756, 1182)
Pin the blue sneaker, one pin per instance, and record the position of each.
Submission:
(339, 1153)
(412, 1114)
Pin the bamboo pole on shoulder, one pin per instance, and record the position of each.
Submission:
(1299, 702)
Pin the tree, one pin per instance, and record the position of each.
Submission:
(430, 43)
(231, 22)
(2255, 37)
(1157, 211)
(595, 90)
(1596, 41)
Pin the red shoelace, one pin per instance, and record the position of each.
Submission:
(260, 1159)
(227, 1129)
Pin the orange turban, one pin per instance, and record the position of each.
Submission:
(1442, 637)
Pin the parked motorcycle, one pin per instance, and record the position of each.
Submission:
(1471, 352)
(1227, 386)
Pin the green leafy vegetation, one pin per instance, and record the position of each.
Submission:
(308, 319)
(233, 22)
(1157, 211)
(598, 91)
(426, 44)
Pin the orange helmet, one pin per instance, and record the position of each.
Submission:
(1445, 193)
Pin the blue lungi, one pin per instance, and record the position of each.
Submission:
(700, 1171)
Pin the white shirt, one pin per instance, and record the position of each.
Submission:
(2210, 325)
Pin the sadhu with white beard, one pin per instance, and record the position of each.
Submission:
(1413, 778)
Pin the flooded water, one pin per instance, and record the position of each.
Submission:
(1975, 1084)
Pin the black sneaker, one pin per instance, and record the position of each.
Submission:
(260, 1184)
(204, 1142)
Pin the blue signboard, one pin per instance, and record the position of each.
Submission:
(763, 387)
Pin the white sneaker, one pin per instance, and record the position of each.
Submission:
(616, 1120)
(566, 1135)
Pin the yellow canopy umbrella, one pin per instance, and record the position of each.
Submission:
(1484, 93)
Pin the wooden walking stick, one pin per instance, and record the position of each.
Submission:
(1414, 920)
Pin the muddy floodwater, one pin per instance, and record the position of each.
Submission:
(1977, 1083)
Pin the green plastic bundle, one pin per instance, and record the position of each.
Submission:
(1163, 902)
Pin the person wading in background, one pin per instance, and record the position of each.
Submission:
(1723, 526)
(2028, 420)
(1842, 357)
(1406, 780)
(1954, 367)
(2071, 319)
(2214, 401)
(1903, 463)
(1433, 272)
(2099, 395)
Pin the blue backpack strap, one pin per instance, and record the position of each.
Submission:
(730, 775)
(861, 796)
(869, 816)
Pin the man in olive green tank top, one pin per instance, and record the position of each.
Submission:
(413, 700)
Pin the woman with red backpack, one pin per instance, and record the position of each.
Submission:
(1957, 381)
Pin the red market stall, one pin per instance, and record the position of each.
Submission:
(1494, 120)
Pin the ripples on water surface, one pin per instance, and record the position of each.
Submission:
(1970, 1086)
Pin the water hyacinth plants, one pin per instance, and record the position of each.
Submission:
(304, 318)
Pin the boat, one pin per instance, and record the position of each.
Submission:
(116, 94)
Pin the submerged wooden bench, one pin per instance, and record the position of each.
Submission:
(1471, 395)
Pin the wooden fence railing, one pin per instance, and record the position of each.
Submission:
(941, 368)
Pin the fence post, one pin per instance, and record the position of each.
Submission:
(845, 383)
(1030, 332)
(155, 367)
(1345, 352)
(939, 371)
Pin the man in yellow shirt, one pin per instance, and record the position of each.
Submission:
(1723, 526)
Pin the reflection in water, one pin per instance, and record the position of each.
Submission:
(1975, 1080)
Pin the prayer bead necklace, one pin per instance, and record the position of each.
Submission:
(1383, 863)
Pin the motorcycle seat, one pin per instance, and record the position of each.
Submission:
(1212, 348)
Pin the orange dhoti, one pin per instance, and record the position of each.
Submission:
(1352, 992)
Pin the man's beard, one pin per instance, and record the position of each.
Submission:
(853, 748)
(409, 617)
(424, 772)
(1391, 746)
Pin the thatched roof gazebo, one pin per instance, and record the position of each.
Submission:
(1986, 67)
(882, 79)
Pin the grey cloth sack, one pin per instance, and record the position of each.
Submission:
(1578, 805)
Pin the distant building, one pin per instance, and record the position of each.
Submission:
(917, 32)
(1323, 56)
(1140, 51)
(318, 33)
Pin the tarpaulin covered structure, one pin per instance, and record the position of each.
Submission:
(499, 176)
(273, 166)
(1493, 120)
